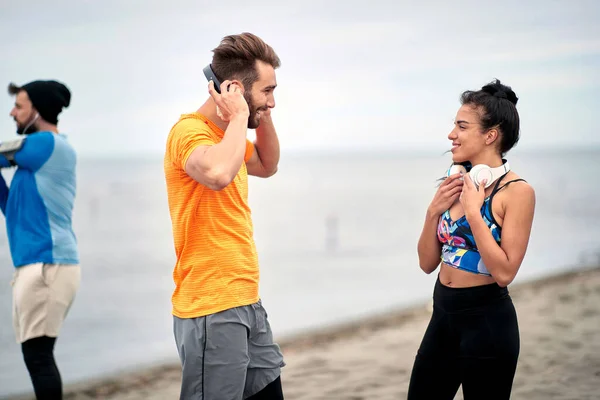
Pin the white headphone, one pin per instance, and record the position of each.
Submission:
(480, 172)
(37, 115)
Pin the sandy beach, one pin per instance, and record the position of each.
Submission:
(559, 318)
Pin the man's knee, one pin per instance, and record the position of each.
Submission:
(38, 351)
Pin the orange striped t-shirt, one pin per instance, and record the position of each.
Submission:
(217, 264)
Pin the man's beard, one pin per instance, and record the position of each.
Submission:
(253, 120)
(28, 128)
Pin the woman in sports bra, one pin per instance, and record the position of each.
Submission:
(476, 229)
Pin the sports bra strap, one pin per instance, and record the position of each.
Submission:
(497, 189)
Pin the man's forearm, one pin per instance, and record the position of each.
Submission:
(267, 144)
(228, 155)
(217, 165)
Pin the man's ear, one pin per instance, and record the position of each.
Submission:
(239, 84)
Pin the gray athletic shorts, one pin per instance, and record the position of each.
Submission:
(228, 355)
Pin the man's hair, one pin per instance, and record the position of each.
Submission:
(236, 56)
(14, 89)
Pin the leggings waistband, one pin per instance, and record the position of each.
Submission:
(456, 299)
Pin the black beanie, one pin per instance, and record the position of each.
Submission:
(48, 98)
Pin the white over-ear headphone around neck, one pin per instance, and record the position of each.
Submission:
(480, 172)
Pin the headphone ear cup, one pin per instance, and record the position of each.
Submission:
(455, 169)
(480, 172)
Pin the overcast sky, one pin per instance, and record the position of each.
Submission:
(380, 74)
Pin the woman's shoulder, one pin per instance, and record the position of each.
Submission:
(516, 188)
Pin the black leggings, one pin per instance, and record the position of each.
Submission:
(272, 391)
(38, 354)
(473, 340)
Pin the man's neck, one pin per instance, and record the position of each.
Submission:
(209, 110)
(44, 126)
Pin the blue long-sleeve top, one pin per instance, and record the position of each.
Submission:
(39, 204)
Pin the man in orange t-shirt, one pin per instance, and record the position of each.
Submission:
(221, 329)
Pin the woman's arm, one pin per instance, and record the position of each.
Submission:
(503, 261)
(429, 248)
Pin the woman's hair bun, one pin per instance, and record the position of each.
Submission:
(498, 90)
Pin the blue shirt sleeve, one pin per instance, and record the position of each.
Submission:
(3, 193)
(4, 163)
(36, 150)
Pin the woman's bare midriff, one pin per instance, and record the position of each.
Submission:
(457, 278)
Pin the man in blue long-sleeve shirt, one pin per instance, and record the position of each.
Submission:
(38, 209)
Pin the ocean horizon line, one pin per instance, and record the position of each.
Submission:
(347, 151)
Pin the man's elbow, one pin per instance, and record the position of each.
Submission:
(216, 186)
(218, 180)
(213, 178)
(263, 172)
(270, 172)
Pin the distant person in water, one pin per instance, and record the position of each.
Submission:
(38, 208)
(478, 225)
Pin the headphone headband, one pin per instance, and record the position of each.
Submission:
(481, 172)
